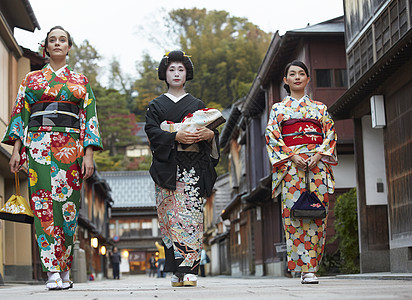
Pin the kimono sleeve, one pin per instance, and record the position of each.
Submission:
(89, 121)
(278, 152)
(328, 147)
(19, 117)
(162, 142)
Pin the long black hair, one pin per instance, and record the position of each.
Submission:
(297, 63)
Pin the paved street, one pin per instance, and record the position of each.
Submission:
(142, 287)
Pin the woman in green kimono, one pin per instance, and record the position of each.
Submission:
(54, 126)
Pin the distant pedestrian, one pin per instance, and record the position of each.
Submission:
(204, 259)
(182, 168)
(116, 259)
(300, 135)
(161, 260)
(152, 265)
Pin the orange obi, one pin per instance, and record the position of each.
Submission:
(302, 131)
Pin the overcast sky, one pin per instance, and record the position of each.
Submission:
(122, 28)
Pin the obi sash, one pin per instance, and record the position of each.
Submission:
(302, 131)
(55, 114)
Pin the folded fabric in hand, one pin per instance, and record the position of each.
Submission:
(207, 117)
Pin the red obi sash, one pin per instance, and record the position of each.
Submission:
(302, 131)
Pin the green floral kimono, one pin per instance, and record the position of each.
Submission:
(54, 154)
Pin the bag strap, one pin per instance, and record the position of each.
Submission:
(16, 180)
(307, 178)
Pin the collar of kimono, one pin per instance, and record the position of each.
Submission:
(59, 71)
(303, 99)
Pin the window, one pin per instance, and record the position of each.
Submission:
(331, 78)
(135, 228)
(112, 229)
(341, 79)
(323, 78)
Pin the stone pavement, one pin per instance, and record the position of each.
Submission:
(223, 287)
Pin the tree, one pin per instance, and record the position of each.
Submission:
(117, 128)
(148, 86)
(84, 59)
(346, 227)
(226, 52)
(122, 82)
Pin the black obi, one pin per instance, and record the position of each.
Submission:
(55, 114)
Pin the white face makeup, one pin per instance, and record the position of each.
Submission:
(176, 74)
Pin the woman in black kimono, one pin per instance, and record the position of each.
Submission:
(182, 168)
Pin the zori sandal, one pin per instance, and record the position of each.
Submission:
(67, 284)
(54, 284)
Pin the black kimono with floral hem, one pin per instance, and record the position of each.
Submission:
(183, 179)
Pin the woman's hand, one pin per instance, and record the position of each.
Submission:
(186, 137)
(313, 160)
(87, 165)
(201, 134)
(299, 161)
(14, 162)
(205, 134)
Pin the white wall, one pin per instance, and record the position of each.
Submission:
(345, 171)
(374, 159)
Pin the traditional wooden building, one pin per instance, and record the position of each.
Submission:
(379, 53)
(93, 227)
(133, 222)
(216, 230)
(16, 243)
(256, 233)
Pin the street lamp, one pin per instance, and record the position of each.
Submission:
(94, 242)
(125, 254)
(103, 250)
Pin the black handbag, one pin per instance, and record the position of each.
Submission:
(308, 205)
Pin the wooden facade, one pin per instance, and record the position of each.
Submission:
(133, 226)
(378, 50)
(16, 242)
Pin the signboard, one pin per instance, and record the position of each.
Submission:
(137, 256)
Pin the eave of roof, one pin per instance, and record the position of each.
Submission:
(20, 14)
(278, 55)
(365, 86)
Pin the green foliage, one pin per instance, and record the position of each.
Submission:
(84, 59)
(145, 163)
(346, 227)
(122, 82)
(115, 122)
(226, 52)
(148, 86)
(223, 165)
